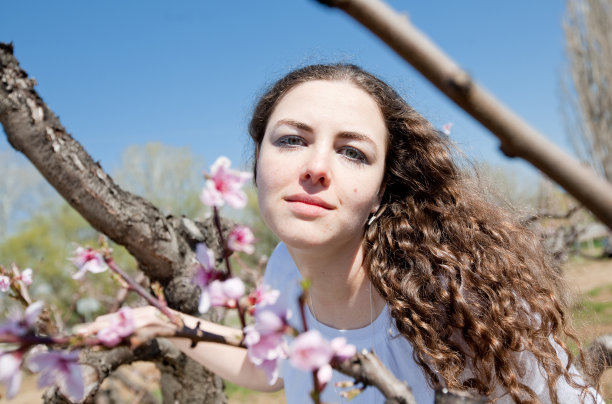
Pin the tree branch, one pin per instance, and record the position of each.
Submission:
(518, 139)
(163, 246)
(367, 369)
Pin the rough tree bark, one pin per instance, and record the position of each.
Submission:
(163, 246)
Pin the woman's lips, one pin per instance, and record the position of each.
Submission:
(308, 205)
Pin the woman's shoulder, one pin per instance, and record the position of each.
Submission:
(282, 274)
(280, 268)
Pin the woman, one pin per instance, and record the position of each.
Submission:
(403, 254)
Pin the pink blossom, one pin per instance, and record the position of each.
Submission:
(310, 351)
(10, 375)
(226, 293)
(341, 349)
(26, 276)
(109, 337)
(19, 324)
(265, 338)
(265, 350)
(206, 272)
(270, 367)
(241, 239)
(5, 283)
(60, 368)
(324, 375)
(225, 185)
(122, 325)
(263, 295)
(205, 256)
(88, 259)
(446, 128)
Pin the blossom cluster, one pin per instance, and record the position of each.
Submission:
(121, 326)
(309, 351)
(224, 185)
(216, 292)
(59, 368)
(266, 339)
(7, 279)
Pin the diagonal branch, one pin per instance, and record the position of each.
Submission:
(32, 128)
(163, 246)
(518, 139)
(368, 370)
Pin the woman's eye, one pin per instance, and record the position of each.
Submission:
(290, 141)
(353, 154)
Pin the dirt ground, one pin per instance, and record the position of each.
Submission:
(590, 280)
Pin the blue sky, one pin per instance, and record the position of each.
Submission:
(186, 73)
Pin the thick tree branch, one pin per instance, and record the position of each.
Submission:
(518, 139)
(368, 370)
(97, 365)
(129, 220)
(163, 246)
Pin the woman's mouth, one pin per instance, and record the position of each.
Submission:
(308, 205)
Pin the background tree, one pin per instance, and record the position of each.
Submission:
(23, 191)
(168, 176)
(587, 83)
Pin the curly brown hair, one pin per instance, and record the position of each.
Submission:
(466, 283)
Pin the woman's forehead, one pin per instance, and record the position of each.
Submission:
(321, 101)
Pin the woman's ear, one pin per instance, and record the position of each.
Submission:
(379, 196)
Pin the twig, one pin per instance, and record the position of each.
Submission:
(135, 286)
(222, 241)
(551, 215)
(122, 293)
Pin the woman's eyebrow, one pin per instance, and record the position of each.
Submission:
(347, 135)
(295, 124)
(356, 136)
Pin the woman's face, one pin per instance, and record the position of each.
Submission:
(321, 163)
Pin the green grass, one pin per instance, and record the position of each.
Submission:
(598, 291)
(233, 390)
(588, 311)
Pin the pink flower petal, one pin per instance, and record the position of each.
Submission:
(270, 367)
(109, 337)
(310, 351)
(224, 185)
(324, 375)
(60, 368)
(32, 312)
(10, 375)
(341, 349)
(5, 283)
(204, 303)
(241, 239)
(233, 288)
(26, 276)
(87, 259)
(125, 322)
(71, 382)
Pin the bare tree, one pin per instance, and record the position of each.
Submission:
(587, 82)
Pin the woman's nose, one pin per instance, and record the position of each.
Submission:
(316, 170)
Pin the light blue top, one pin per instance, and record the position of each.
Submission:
(394, 351)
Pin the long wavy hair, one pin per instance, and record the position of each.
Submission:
(466, 283)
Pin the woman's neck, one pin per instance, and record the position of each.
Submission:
(339, 286)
